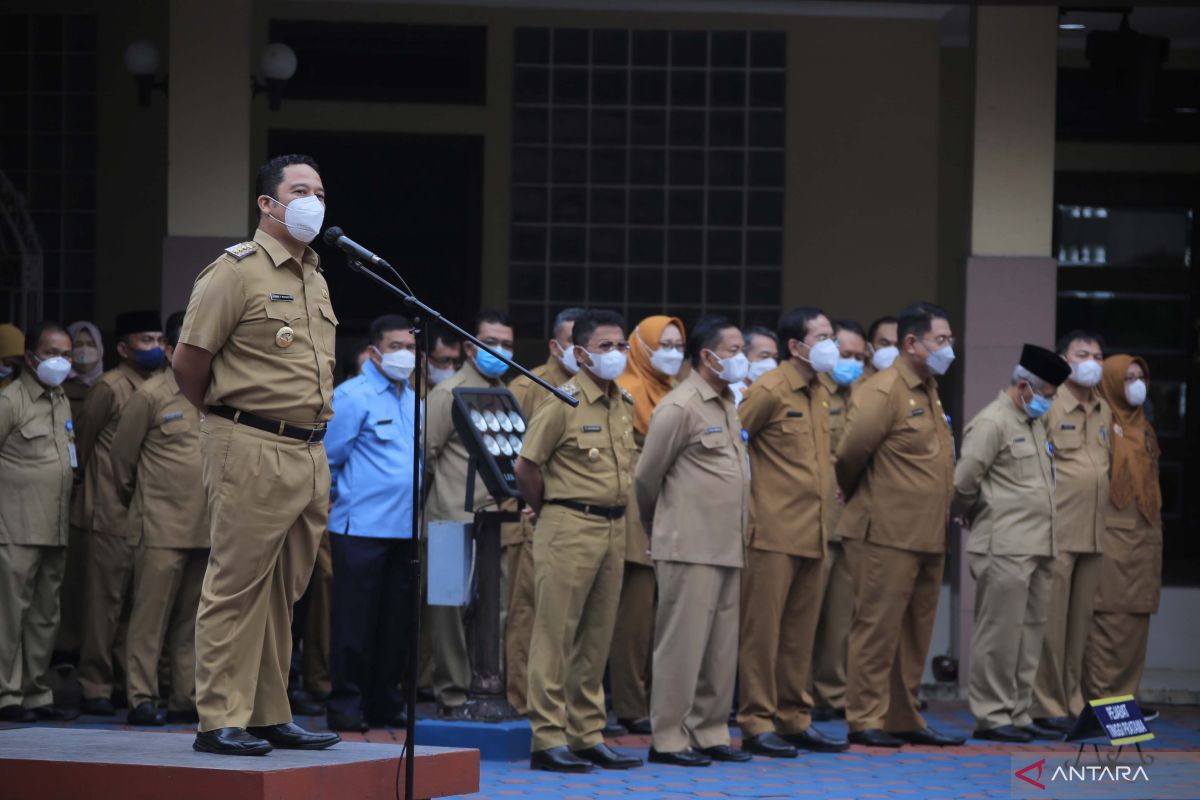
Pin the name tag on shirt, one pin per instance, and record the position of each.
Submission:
(1018, 439)
(716, 429)
(279, 297)
(833, 412)
(795, 413)
(1066, 426)
(384, 422)
(916, 412)
(172, 415)
(593, 428)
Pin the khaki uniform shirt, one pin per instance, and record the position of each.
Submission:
(1004, 482)
(99, 508)
(270, 326)
(836, 399)
(446, 455)
(156, 466)
(76, 392)
(895, 463)
(585, 453)
(35, 463)
(529, 396)
(789, 462)
(1080, 434)
(693, 477)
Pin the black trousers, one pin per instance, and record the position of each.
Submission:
(370, 624)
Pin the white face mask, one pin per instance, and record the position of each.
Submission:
(823, 356)
(884, 357)
(439, 374)
(568, 361)
(608, 366)
(666, 361)
(1135, 392)
(734, 368)
(303, 217)
(1087, 373)
(940, 360)
(53, 371)
(398, 364)
(761, 367)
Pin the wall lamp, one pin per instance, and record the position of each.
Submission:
(278, 63)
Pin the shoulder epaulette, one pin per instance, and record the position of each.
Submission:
(626, 396)
(569, 389)
(240, 251)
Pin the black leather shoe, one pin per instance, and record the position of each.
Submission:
(97, 707)
(768, 744)
(146, 714)
(53, 713)
(812, 739)
(230, 742)
(1005, 733)
(723, 752)
(303, 704)
(1043, 734)
(1064, 724)
(291, 736)
(187, 715)
(637, 727)
(337, 721)
(605, 757)
(16, 713)
(929, 737)
(874, 737)
(614, 730)
(558, 759)
(1149, 714)
(684, 758)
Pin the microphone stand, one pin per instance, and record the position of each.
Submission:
(414, 566)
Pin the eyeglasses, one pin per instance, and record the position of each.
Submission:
(942, 341)
(608, 347)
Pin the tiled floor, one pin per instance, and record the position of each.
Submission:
(978, 770)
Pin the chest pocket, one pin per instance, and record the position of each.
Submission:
(324, 329)
(387, 431)
(712, 441)
(283, 330)
(34, 439)
(917, 435)
(587, 441)
(1024, 457)
(173, 427)
(1070, 439)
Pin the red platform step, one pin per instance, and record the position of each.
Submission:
(78, 763)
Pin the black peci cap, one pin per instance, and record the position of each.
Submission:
(138, 322)
(1046, 364)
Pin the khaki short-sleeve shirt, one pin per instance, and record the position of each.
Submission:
(156, 467)
(585, 453)
(36, 438)
(270, 326)
(100, 509)
(1081, 434)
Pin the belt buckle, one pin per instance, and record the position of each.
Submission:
(311, 433)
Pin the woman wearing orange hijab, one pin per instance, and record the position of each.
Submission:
(1131, 567)
(655, 356)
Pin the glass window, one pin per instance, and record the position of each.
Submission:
(1143, 323)
(1097, 236)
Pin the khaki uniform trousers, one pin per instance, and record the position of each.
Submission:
(107, 580)
(30, 578)
(632, 651)
(268, 500)
(1057, 689)
(1115, 654)
(166, 593)
(578, 564)
(316, 629)
(71, 595)
(695, 655)
(895, 605)
(781, 604)
(518, 629)
(449, 657)
(833, 631)
(1012, 598)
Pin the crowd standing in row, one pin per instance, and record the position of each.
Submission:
(765, 509)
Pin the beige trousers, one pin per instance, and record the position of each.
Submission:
(107, 579)
(30, 578)
(1115, 654)
(632, 651)
(518, 627)
(833, 631)
(316, 628)
(1057, 689)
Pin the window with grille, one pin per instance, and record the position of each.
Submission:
(647, 173)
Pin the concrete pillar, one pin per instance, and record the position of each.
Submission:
(1010, 274)
(208, 139)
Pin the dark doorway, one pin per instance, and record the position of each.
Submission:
(415, 200)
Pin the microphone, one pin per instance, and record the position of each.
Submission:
(334, 237)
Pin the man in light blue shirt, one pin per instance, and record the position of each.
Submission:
(370, 449)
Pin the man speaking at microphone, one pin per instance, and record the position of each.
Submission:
(257, 354)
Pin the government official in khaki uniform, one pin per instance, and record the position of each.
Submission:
(446, 464)
(517, 537)
(1004, 490)
(895, 466)
(693, 487)
(109, 567)
(655, 360)
(574, 472)
(155, 458)
(837, 602)
(786, 417)
(881, 345)
(257, 351)
(1131, 567)
(1079, 427)
(37, 452)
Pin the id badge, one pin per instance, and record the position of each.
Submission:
(74, 455)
